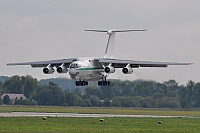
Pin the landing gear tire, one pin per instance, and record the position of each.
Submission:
(77, 83)
(82, 83)
(104, 83)
(100, 83)
(108, 83)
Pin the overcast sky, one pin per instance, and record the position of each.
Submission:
(33, 30)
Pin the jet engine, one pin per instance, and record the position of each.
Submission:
(109, 69)
(48, 70)
(62, 69)
(127, 70)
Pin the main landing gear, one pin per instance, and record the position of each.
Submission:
(104, 83)
(81, 83)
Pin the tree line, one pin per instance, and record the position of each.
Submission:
(138, 93)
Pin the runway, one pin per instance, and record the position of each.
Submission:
(35, 114)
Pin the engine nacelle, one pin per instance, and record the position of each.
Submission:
(62, 69)
(48, 70)
(127, 70)
(109, 69)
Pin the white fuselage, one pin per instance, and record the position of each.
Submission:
(87, 69)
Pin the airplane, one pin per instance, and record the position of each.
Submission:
(85, 69)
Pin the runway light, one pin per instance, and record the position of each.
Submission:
(159, 122)
(44, 118)
(101, 120)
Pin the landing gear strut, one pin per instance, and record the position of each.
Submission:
(81, 83)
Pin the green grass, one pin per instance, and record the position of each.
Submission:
(91, 125)
(164, 112)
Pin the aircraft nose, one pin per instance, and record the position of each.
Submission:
(73, 72)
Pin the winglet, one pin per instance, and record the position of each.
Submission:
(190, 63)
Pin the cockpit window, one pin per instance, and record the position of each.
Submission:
(79, 65)
(75, 65)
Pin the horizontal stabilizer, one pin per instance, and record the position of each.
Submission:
(97, 30)
(111, 38)
(114, 30)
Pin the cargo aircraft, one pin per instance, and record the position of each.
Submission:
(84, 69)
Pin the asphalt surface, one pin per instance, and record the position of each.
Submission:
(34, 114)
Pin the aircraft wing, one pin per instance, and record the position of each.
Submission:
(46, 63)
(119, 63)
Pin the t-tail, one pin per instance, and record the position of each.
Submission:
(111, 40)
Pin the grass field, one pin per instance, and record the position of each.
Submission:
(93, 125)
(131, 111)
(109, 125)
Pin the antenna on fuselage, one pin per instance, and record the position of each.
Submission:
(111, 39)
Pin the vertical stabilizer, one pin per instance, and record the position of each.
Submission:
(111, 40)
(110, 45)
